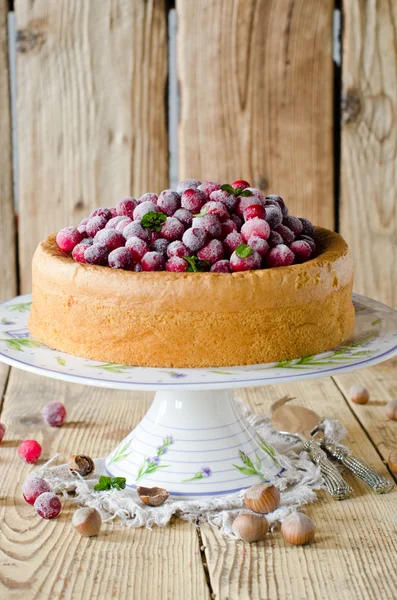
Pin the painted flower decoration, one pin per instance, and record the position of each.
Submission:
(152, 463)
(202, 474)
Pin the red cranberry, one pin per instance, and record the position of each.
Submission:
(54, 414)
(208, 187)
(97, 254)
(311, 243)
(168, 202)
(279, 256)
(257, 227)
(172, 229)
(111, 238)
(302, 251)
(2, 431)
(240, 183)
(121, 225)
(222, 266)
(307, 227)
(274, 239)
(78, 253)
(184, 216)
(29, 451)
(259, 195)
(126, 207)
(148, 197)
(258, 244)
(137, 248)
(68, 238)
(227, 199)
(160, 246)
(143, 209)
(33, 488)
(212, 252)
(294, 224)
(216, 208)
(210, 223)
(82, 226)
(231, 242)
(120, 258)
(193, 200)
(48, 505)
(254, 211)
(244, 202)
(113, 212)
(253, 261)
(153, 261)
(227, 227)
(194, 239)
(136, 229)
(187, 184)
(95, 224)
(101, 212)
(176, 264)
(238, 221)
(286, 233)
(112, 223)
(280, 202)
(87, 241)
(274, 216)
(177, 248)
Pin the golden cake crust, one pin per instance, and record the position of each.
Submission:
(163, 319)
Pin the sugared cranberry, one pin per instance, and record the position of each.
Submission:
(240, 183)
(208, 187)
(311, 243)
(184, 216)
(254, 211)
(78, 253)
(136, 229)
(111, 238)
(120, 258)
(101, 212)
(286, 233)
(274, 216)
(112, 223)
(97, 254)
(274, 239)
(193, 200)
(68, 238)
(177, 248)
(212, 252)
(227, 227)
(168, 202)
(302, 250)
(250, 262)
(137, 248)
(245, 202)
(121, 225)
(231, 242)
(294, 224)
(48, 505)
(2, 431)
(54, 414)
(258, 244)
(238, 221)
(143, 209)
(187, 184)
(87, 241)
(95, 224)
(172, 229)
(29, 451)
(126, 207)
(307, 227)
(137, 268)
(210, 223)
(153, 261)
(279, 256)
(280, 202)
(176, 264)
(216, 208)
(194, 239)
(113, 212)
(257, 227)
(82, 226)
(148, 197)
(222, 266)
(160, 246)
(227, 199)
(33, 488)
(259, 195)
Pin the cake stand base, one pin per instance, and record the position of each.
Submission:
(193, 443)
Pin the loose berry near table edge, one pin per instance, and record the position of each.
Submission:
(29, 451)
(48, 505)
(54, 414)
(33, 487)
(2, 431)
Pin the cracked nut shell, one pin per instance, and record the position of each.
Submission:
(154, 496)
(81, 464)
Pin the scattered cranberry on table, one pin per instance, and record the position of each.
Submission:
(33, 488)
(2, 431)
(54, 414)
(29, 451)
(48, 505)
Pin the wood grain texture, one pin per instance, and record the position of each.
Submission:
(353, 552)
(256, 79)
(91, 110)
(48, 559)
(369, 145)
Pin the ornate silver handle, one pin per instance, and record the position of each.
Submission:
(380, 484)
(334, 482)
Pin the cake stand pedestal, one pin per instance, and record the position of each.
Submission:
(194, 440)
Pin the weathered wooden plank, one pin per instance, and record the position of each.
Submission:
(256, 81)
(369, 145)
(48, 559)
(91, 110)
(354, 549)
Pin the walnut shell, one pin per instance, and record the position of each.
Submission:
(392, 461)
(262, 498)
(81, 464)
(154, 496)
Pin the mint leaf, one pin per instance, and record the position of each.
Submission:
(202, 213)
(107, 483)
(118, 483)
(237, 191)
(153, 220)
(226, 187)
(243, 250)
(245, 193)
(196, 265)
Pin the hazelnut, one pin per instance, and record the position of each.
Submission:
(154, 496)
(392, 461)
(391, 410)
(359, 394)
(250, 528)
(262, 498)
(87, 521)
(298, 529)
(81, 464)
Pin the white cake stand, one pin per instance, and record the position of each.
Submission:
(194, 441)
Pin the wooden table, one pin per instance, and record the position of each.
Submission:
(355, 549)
